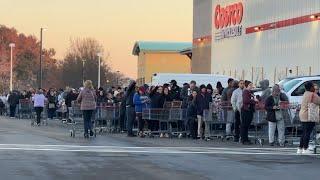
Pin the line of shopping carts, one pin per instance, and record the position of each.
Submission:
(171, 120)
(219, 113)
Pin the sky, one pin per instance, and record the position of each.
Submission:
(116, 24)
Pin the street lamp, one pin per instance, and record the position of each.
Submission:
(40, 76)
(99, 70)
(11, 45)
(83, 62)
(118, 74)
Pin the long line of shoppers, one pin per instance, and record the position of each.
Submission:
(239, 105)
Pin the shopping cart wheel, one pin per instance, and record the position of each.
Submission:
(259, 141)
(72, 133)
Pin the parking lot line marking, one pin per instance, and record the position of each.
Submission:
(151, 150)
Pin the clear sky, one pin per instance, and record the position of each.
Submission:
(117, 24)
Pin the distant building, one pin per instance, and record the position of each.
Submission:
(161, 57)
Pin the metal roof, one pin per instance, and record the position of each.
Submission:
(153, 46)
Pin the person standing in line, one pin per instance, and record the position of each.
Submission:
(157, 101)
(309, 99)
(266, 91)
(166, 94)
(39, 101)
(88, 103)
(123, 121)
(236, 101)
(219, 88)
(140, 101)
(130, 110)
(192, 115)
(276, 115)
(174, 91)
(202, 103)
(226, 102)
(13, 101)
(184, 95)
(51, 104)
(247, 110)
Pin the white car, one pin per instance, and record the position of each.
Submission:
(294, 87)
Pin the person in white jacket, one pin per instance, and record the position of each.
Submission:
(236, 101)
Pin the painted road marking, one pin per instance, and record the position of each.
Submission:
(151, 150)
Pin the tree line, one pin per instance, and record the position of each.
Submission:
(80, 61)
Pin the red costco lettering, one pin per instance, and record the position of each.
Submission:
(229, 15)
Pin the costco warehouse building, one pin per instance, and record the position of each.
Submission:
(256, 39)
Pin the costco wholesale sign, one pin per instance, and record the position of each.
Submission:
(228, 20)
(257, 39)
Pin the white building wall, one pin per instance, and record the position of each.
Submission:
(275, 50)
(202, 18)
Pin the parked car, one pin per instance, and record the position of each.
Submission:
(294, 87)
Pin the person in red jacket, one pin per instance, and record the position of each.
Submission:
(247, 111)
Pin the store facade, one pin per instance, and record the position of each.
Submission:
(262, 39)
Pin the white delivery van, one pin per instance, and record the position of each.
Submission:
(162, 78)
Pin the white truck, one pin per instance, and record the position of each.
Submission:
(162, 78)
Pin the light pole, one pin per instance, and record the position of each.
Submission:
(118, 74)
(40, 75)
(83, 61)
(99, 70)
(11, 45)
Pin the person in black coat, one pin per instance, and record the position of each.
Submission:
(13, 101)
(157, 97)
(130, 110)
(157, 102)
(276, 115)
(52, 103)
(202, 102)
(174, 91)
(184, 95)
(123, 113)
(192, 114)
(166, 95)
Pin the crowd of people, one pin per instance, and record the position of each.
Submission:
(132, 100)
(238, 95)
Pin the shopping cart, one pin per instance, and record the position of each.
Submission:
(177, 116)
(76, 124)
(215, 121)
(106, 119)
(25, 108)
(292, 124)
(161, 116)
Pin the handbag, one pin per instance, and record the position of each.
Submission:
(313, 111)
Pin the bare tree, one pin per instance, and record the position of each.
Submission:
(81, 62)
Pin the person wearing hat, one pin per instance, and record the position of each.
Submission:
(275, 115)
(247, 110)
(203, 100)
(140, 101)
